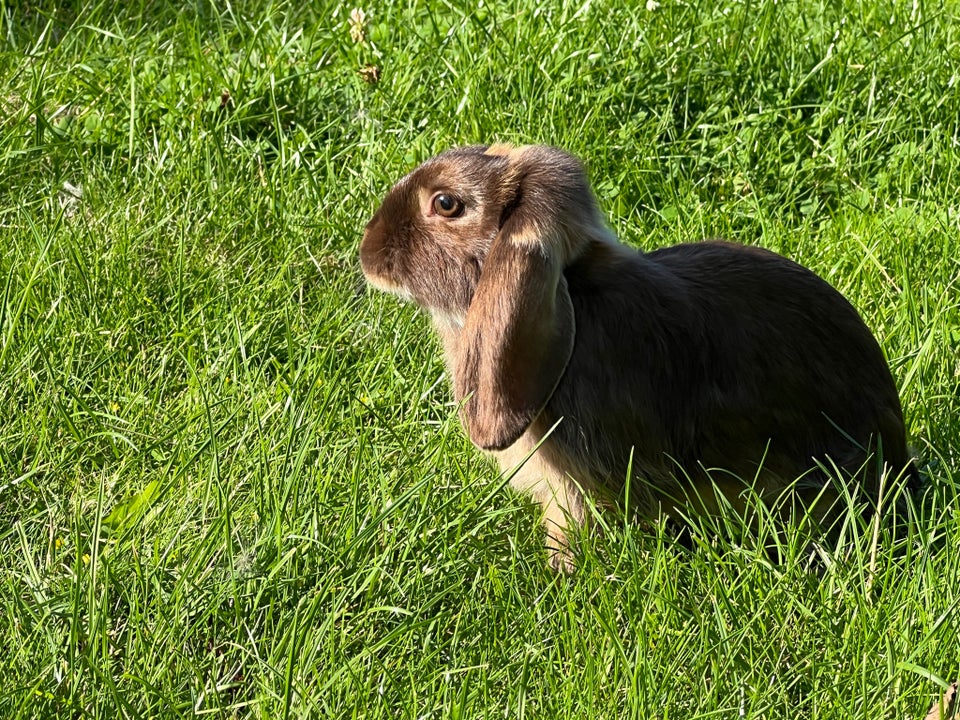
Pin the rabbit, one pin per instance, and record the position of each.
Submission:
(685, 374)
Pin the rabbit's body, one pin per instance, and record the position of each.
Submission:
(769, 395)
(701, 367)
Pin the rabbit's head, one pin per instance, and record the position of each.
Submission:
(479, 237)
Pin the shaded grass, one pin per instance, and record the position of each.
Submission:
(231, 481)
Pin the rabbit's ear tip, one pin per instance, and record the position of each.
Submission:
(491, 429)
(491, 444)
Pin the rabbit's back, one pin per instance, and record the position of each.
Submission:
(716, 355)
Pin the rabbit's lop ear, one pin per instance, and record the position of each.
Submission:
(519, 329)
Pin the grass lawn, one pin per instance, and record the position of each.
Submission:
(232, 482)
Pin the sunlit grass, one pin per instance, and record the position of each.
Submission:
(232, 481)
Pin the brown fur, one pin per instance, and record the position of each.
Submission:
(700, 366)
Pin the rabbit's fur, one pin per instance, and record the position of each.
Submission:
(691, 359)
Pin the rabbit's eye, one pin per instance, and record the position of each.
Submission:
(447, 205)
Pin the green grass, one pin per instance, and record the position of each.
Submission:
(231, 480)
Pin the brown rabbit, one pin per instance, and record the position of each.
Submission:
(699, 368)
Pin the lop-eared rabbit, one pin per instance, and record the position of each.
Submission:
(696, 369)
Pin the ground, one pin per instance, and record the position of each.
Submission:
(232, 480)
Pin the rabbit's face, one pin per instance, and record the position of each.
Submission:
(429, 239)
(480, 237)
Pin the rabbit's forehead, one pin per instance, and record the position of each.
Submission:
(460, 173)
